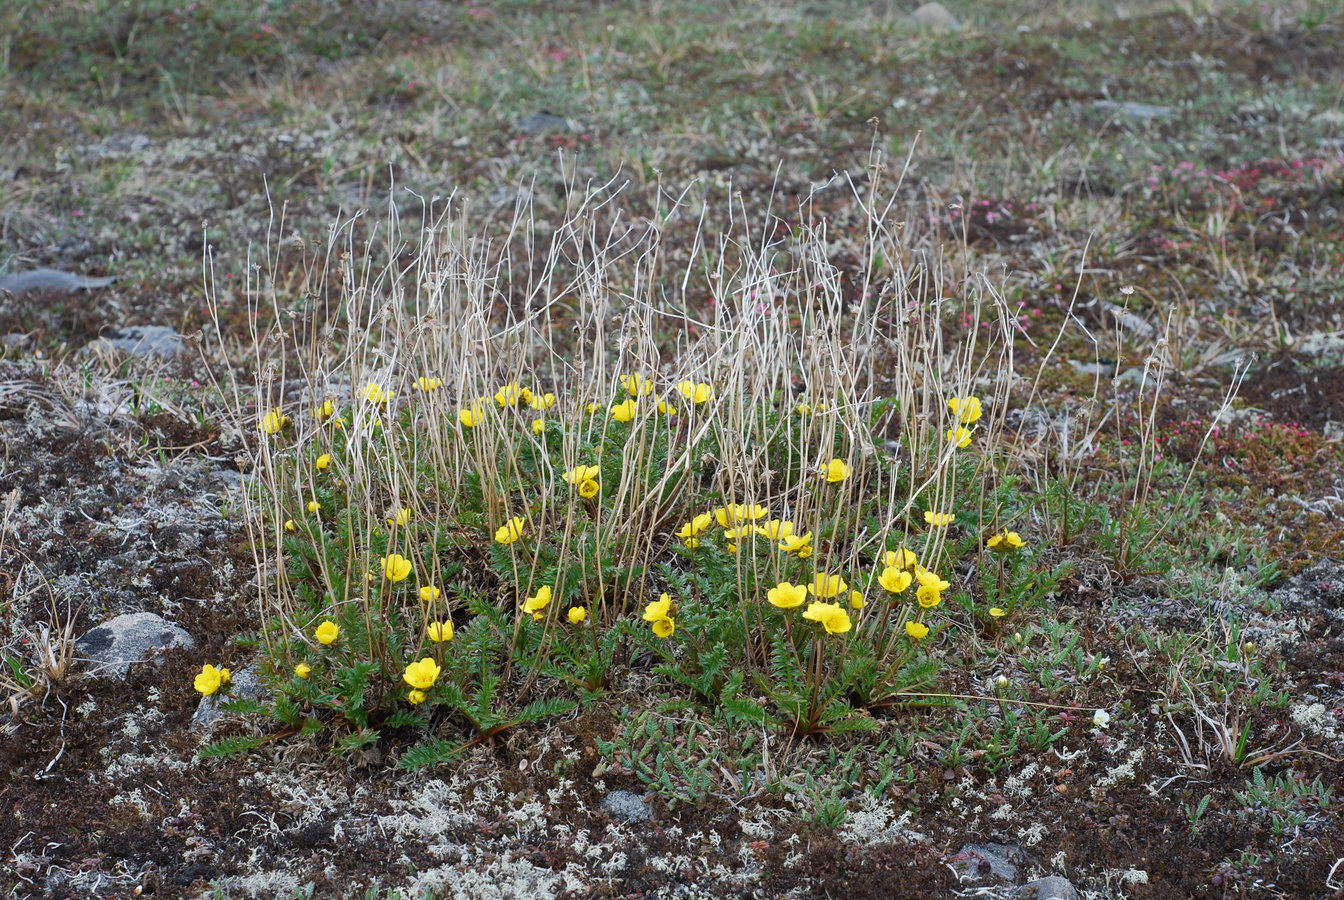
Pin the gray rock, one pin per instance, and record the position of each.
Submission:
(980, 862)
(935, 15)
(115, 645)
(1052, 887)
(50, 280)
(241, 684)
(142, 340)
(543, 121)
(1318, 591)
(1146, 112)
(627, 805)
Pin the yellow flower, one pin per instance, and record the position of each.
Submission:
(589, 489)
(325, 411)
(421, 675)
(510, 531)
(1005, 539)
(666, 409)
(856, 600)
(786, 595)
(416, 697)
(917, 630)
(429, 593)
(396, 567)
(966, 409)
(659, 613)
(697, 524)
(636, 385)
(775, 529)
(577, 614)
(580, 474)
(290, 526)
(733, 514)
(799, 544)
(960, 435)
(939, 520)
(538, 602)
(625, 411)
(327, 632)
(658, 609)
(440, 631)
(696, 393)
(542, 401)
(996, 612)
(402, 517)
(827, 586)
(834, 619)
(928, 597)
(376, 393)
(592, 408)
(473, 415)
(427, 384)
(836, 471)
(339, 422)
(901, 559)
(931, 588)
(737, 532)
(272, 422)
(510, 395)
(211, 679)
(303, 670)
(803, 408)
(314, 506)
(539, 427)
(323, 462)
(895, 580)
(931, 579)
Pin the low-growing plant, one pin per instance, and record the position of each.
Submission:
(482, 498)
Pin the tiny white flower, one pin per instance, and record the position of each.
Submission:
(1101, 718)
(1001, 681)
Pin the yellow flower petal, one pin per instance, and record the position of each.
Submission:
(510, 531)
(786, 595)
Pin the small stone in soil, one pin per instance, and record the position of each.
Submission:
(627, 805)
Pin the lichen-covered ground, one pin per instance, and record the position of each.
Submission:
(1193, 159)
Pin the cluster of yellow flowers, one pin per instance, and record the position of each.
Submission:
(211, 679)
(420, 675)
(901, 569)
(659, 615)
(967, 411)
(743, 521)
(1004, 540)
(831, 616)
(586, 478)
(509, 396)
(537, 603)
(638, 386)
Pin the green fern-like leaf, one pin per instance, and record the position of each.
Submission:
(542, 709)
(231, 746)
(405, 718)
(430, 752)
(244, 706)
(355, 740)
